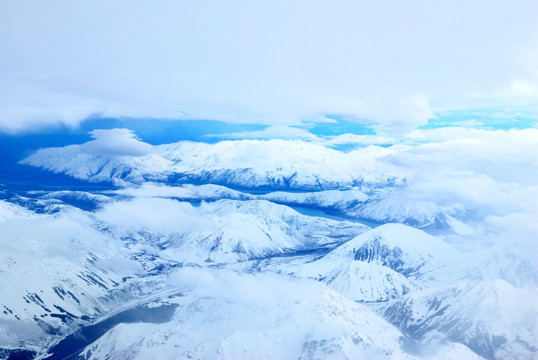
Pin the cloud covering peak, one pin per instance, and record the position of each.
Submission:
(115, 142)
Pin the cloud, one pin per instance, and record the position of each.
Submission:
(471, 173)
(395, 116)
(273, 63)
(29, 106)
(468, 123)
(115, 142)
(272, 132)
(259, 289)
(410, 113)
(520, 87)
(353, 139)
(53, 236)
(520, 91)
(151, 214)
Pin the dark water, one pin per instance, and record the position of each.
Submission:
(71, 346)
(332, 215)
(17, 354)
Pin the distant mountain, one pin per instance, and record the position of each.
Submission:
(283, 164)
(353, 183)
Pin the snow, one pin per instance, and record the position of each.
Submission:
(339, 199)
(184, 192)
(223, 231)
(396, 207)
(54, 264)
(226, 316)
(448, 269)
(251, 282)
(488, 317)
(295, 164)
(380, 264)
(11, 211)
(120, 169)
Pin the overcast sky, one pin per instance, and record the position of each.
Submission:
(270, 62)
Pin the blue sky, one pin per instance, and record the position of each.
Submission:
(394, 63)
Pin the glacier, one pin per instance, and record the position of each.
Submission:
(276, 249)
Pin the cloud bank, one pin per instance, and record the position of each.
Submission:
(263, 62)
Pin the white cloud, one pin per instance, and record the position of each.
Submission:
(471, 173)
(468, 123)
(272, 132)
(260, 289)
(29, 106)
(262, 62)
(351, 139)
(519, 91)
(50, 236)
(520, 87)
(151, 214)
(115, 142)
(399, 115)
(412, 112)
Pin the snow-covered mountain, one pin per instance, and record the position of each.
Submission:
(77, 266)
(56, 273)
(284, 164)
(334, 180)
(381, 264)
(74, 161)
(359, 184)
(301, 251)
(493, 318)
(433, 292)
(332, 199)
(227, 230)
(381, 205)
(228, 316)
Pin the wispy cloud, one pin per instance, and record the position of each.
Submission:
(271, 132)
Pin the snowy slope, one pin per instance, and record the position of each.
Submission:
(56, 271)
(493, 318)
(72, 160)
(382, 204)
(12, 211)
(297, 278)
(283, 164)
(82, 196)
(278, 164)
(185, 192)
(341, 200)
(394, 206)
(226, 316)
(223, 231)
(381, 264)
(399, 247)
